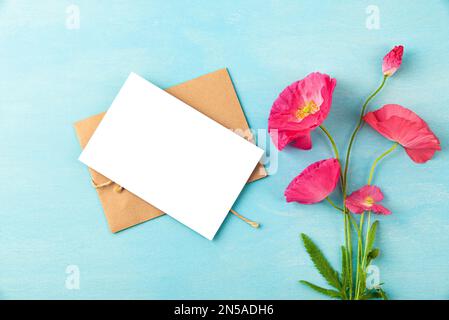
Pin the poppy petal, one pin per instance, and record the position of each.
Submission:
(405, 127)
(366, 199)
(314, 183)
(392, 61)
(377, 208)
(300, 108)
(303, 142)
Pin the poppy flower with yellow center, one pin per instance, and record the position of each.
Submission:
(300, 109)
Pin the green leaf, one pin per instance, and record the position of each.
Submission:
(382, 293)
(321, 263)
(344, 271)
(373, 254)
(327, 292)
(371, 236)
(369, 253)
(377, 293)
(371, 294)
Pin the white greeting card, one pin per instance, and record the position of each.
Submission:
(171, 155)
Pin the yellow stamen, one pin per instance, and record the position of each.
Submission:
(309, 108)
(369, 201)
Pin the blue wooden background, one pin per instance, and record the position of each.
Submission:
(53, 74)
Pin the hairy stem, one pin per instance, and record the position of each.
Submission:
(356, 130)
(359, 257)
(344, 179)
(334, 146)
(364, 253)
(349, 250)
(333, 204)
(383, 155)
(335, 149)
(347, 222)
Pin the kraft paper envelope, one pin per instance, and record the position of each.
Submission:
(144, 136)
(212, 94)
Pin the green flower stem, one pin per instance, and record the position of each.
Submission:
(334, 147)
(383, 155)
(353, 222)
(333, 204)
(348, 243)
(344, 179)
(347, 222)
(359, 257)
(364, 254)
(359, 125)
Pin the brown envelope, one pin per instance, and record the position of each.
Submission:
(212, 94)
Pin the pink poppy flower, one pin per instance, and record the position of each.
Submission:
(405, 127)
(392, 61)
(366, 199)
(299, 109)
(315, 183)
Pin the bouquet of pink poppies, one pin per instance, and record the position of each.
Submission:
(301, 108)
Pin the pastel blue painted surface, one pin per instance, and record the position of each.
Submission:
(51, 76)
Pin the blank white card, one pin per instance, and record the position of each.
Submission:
(171, 155)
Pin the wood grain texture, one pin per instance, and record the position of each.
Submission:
(53, 76)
